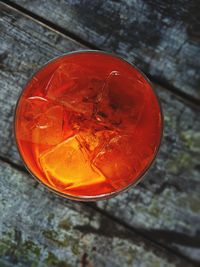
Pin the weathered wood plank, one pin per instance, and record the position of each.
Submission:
(160, 37)
(40, 229)
(166, 204)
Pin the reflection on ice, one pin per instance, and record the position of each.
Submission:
(37, 98)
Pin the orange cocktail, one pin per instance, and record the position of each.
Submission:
(88, 125)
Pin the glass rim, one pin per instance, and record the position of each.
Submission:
(105, 195)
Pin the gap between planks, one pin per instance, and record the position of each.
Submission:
(190, 100)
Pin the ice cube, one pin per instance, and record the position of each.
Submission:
(81, 99)
(65, 77)
(51, 127)
(120, 103)
(30, 109)
(94, 141)
(119, 161)
(67, 166)
(36, 87)
(74, 87)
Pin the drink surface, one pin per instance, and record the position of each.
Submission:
(88, 124)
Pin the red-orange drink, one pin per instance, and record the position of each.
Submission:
(88, 125)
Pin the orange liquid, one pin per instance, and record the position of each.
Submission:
(88, 124)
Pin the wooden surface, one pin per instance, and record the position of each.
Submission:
(45, 230)
(164, 208)
(160, 37)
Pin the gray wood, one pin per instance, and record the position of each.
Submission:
(39, 229)
(165, 207)
(160, 37)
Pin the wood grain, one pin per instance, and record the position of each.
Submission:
(40, 229)
(165, 207)
(160, 37)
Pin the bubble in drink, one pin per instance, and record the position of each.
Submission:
(88, 125)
